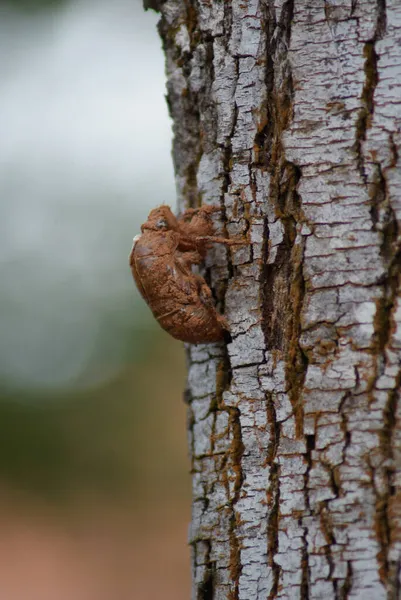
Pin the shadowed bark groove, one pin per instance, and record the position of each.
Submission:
(366, 111)
(288, 117)
(273, 495)
(205, 590)
(236, 450)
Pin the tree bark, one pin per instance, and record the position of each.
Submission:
(287, 114)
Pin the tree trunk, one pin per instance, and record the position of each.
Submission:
(287, 115)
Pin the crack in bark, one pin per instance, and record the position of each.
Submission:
(383, 328)
(236, 452)
(381, 25)
(279, 277)
(383, 216)
(347, 586)
(336, 482)
(328, 532)
(232, 460)
(283, 283)
(305, 569)
(345, 430)
(383, 502)
(363, 122)
(365, 114)
(273, 495)
(310, 446)
(205, 590)
(297, 359)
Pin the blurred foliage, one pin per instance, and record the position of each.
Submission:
(122, 440)
(90, 387)
(93, 454)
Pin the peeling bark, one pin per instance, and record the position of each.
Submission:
(287, 115)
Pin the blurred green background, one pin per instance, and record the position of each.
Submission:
(94, 477)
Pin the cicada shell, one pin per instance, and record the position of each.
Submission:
(161, 260)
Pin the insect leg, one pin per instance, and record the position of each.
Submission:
(189, 213)
(216, 240)
(197, 221)
(189, 258)
(168, 314)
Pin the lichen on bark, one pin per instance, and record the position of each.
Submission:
(287, 115)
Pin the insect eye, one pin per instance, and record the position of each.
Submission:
(161, 223)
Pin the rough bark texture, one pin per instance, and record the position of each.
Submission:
(287, 114)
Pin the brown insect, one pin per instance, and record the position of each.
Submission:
(161, 260)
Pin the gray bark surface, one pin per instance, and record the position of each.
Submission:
(287, 115)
